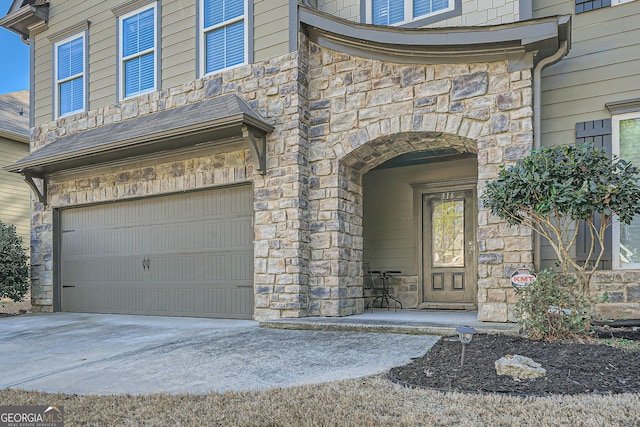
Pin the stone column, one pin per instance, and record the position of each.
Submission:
(41, 257)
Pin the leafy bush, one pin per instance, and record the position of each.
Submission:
(549, 310)
(14, 271)
(557, 189)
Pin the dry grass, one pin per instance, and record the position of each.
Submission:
(9, 307)
(362, 402)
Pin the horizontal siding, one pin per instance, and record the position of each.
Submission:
(178, 42)
(389, 224)
(178, 46)
(601, 67)
(42, 79)
(271, 28)
(14, 192)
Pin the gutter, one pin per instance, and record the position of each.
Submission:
(537, 123)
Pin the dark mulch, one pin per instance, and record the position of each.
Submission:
(572, 368)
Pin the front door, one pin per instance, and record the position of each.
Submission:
(449, 277)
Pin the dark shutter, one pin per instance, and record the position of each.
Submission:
(598, 132)
(587, 5)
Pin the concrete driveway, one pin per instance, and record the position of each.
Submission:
(114, 354)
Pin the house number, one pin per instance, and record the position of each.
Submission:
(448, 195)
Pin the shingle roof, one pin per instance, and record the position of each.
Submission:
(165, 130)
(14, 113)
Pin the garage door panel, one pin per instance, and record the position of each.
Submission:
(186, 255)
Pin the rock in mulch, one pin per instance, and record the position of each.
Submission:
(519, 367)
(572, 368)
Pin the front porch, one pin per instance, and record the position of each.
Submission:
(408, 321)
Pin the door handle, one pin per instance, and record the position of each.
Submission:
(146, 263)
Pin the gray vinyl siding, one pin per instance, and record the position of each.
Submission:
(42, 80)
(271, 28)
(14, 192)
(178, 46)
(390, 228)
(474, 12)
(178, 42)
(601, 67)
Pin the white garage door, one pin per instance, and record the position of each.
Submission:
(181, 255)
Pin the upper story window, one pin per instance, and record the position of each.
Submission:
(588, 5)
(138, 45)
(223, 34)
(626, 144)
(398, 12)
(69, 75)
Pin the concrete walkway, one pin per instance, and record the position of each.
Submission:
(114, 354)
(417, 322)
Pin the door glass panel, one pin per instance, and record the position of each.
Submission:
(447, 219)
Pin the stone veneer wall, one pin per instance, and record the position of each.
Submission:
(276, 88)
(336, 117)
(621, 292)
(364, 112)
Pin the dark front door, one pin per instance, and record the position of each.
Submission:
(449, 242)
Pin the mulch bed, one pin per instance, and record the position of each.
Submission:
(572, 368)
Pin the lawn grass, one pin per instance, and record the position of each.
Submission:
(373, 401)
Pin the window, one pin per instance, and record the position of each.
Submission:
(69, 75)
(397, 12)
(618, 2)
(138, 57)
(626, 144)
(224, 35)
(588, 5)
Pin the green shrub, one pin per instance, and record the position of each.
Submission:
(14, 271)
(548, 309)
(556, 190)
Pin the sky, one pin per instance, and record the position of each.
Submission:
(14, 71)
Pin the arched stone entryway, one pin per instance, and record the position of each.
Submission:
(364, 112)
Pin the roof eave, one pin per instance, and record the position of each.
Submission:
(214, 132)
(26, 19)
(14, 136)
(541, 37)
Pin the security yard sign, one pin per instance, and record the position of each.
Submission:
(522, 277)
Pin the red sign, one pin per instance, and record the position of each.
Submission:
(522, 278)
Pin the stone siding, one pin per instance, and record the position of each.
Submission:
(363, 112)
(335, 116)
(275, 88)
(619, 292)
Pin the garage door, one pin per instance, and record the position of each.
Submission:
(181, 255)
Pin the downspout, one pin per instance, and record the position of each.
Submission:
(537, 122)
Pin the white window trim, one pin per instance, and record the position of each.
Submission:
(619, 2)
(408, 11)
(202, 40)
(122, 59)
(56, 82)
(615, 222)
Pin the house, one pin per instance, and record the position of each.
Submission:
(14, 145)
(241, 158)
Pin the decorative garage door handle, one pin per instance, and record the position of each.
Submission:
(146, 263)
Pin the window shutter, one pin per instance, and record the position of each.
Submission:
(598, 132)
